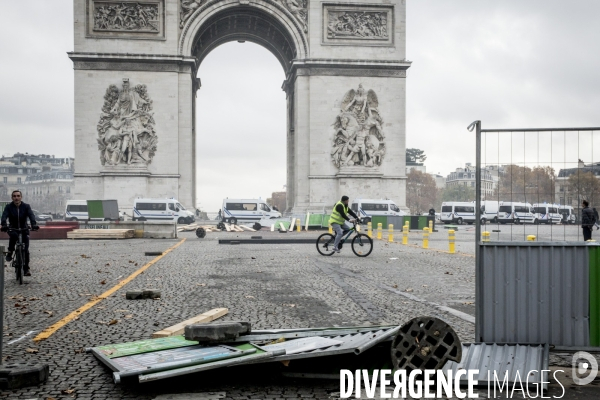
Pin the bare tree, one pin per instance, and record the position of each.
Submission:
(421, 192)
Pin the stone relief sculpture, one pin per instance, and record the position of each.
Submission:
(126, 16)
(358, 137)
(187, 9)
(357, 25)
(126, 127)
(299, 9)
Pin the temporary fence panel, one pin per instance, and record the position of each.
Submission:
(526, 360)
(315, 220)
(594, 285)
(534, 292)
(325, 223)
(379, 220)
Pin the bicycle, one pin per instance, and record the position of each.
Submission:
(18, 259)
(362, 245)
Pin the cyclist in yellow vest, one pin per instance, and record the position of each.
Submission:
(338, 218)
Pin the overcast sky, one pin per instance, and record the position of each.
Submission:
(510, 63)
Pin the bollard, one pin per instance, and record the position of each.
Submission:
(298, 225)
(430, 226)
(405, 234)
(390, 232)
(425, 238)
(370, 229)
(379, 230)
(531, 238)
(485, 236)
(330, 230)
(451, 243)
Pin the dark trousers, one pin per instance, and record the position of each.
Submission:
(12, 241)
(587, 233)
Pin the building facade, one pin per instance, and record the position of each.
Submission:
(466, 177)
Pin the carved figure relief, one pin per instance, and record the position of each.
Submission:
(358, 131)
(357, 25)
(126, 16)
(126, 127)
(187, 9)
(299, 9)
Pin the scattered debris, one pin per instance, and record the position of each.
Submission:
(31, 351)
(178, 329)
(142, 294)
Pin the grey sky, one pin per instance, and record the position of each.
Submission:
(510, 63)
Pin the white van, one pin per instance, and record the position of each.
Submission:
(567, 214)
(489, 211)
(547, 213)
(161, 210)
(247, 210)
(76, 210)
(515, 212)
(367, 208)
(458, 212)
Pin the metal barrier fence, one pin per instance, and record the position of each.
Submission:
(529, 187)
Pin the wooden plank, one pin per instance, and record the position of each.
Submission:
(281, 226)
(292, 224)
(307, 219)
(203, 318)
(227, 228)
(247, 228)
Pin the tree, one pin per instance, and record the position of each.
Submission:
(524, 184)
(415, 156)
(421, 192)
(585, 186)
(458, 193)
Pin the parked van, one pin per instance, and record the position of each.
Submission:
(368, 208)
(567, 214)
(161, 210)
(547, 213)
(489, 211)
(76, 210)
(515, 212)
(456, 212)
(247, 210)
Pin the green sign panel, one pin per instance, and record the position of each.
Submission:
(144, 346)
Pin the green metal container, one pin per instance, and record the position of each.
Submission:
(594, 267)
(423, 222)
(379, 219)
(406, 219)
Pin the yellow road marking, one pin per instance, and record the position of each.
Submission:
(46, 333)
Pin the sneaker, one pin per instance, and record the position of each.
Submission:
(336, 250)
(27, 272)
(9, 257)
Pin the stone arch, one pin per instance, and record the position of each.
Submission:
(264, 22)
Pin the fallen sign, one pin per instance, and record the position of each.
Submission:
(150, 360)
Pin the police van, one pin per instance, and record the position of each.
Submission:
(458, 212)
(517, 213)
(567, 214)
(76, 210)
(547, 213)
(161, 210)
(247, 210)
(368, 208)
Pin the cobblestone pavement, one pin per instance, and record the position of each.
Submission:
(272, 286)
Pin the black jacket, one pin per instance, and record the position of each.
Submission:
(587, 217)
(17, 216)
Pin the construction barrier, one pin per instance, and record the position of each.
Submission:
(451, 239)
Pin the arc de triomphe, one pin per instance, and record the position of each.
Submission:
(136, 84)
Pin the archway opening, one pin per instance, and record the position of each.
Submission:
(240, 124)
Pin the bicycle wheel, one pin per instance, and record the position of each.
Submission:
(18, 264)
(362, 245)
(325, 244)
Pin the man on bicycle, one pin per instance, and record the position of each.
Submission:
(338, 219)
(17, 213)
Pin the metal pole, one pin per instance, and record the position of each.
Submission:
(477, 126)
(1, 299)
